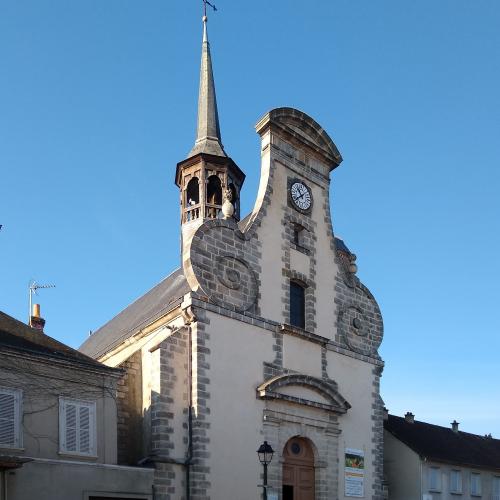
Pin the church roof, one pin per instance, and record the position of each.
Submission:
(19, 337)
(162, 298)
(442, 444)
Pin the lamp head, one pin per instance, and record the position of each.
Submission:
(265, 452)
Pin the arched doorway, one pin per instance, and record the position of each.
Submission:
(298, 470)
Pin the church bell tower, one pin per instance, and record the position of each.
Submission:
(207, 178)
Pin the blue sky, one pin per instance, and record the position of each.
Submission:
(98, 104)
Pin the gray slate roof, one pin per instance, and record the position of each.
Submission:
(146, 309)
(444, 445)
(16, 336)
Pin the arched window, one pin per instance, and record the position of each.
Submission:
(193, 192)
(297, 305)
(214, 190)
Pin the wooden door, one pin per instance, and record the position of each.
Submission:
(298, 470)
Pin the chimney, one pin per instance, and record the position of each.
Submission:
(386, 413)
(36, 321)
(454, 426)
(409, 417)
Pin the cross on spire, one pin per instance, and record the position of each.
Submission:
(205, 3)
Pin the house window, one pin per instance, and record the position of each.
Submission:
(455, 481)
(475, 484)
(297, 305)
(77, 427)
(434, 479)
(10, 418)
(496, 488)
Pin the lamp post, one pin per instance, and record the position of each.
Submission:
(265, 453)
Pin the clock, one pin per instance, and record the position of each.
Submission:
(301, 196)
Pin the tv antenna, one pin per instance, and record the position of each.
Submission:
(34, 286)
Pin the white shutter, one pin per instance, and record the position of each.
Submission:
(71, 427)
(84, 435)
(455, 481)
(10, 416)
(7, 416)
(496, 488)
(475, 483)
(77, 427)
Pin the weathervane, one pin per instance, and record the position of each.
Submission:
(205, 3)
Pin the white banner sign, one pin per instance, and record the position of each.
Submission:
(354, 473)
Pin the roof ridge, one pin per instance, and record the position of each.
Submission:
(445, 428)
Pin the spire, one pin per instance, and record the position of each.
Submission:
(208, 138)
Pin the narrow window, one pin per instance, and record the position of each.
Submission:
(77, 427)
(475, 484)
(456, 481)
(434, 479)
(297, 230)
(297, 305)
(10, 418)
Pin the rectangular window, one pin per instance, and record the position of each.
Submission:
(455, 481)
(77, 427)
(496, 488)
(10, 418)
(297, 305)
(434, 479)
(296, 235)
(475, 484)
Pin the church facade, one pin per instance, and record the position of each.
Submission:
(264, 334)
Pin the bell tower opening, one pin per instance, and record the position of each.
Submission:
(214, 196)
(191, 201)
(298, 470)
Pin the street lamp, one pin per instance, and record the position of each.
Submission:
(265, 456)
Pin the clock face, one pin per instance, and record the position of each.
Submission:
(301, 195)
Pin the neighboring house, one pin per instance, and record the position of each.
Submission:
(429, 462)
(265, 333)
(58, 423)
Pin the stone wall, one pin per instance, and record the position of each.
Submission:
(129, 411)
(169, 414)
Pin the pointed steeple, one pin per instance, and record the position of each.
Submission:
(208, 139)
